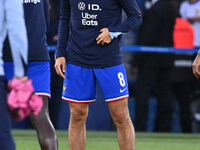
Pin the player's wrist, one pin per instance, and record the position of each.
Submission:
(59, 58)
(23, 79)
(110, 34)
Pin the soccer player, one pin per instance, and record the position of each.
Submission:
(37, 18)
(11, 23)
(91, 32)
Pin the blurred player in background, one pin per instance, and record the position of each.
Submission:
(11, 23)
(190, 10)
(37, 20)
(92, 32)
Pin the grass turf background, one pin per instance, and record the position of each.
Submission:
(27, 140)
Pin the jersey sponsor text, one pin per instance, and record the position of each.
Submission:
(31, 1)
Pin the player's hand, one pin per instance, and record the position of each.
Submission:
(104, 37)
(196, 66)
(60, 66)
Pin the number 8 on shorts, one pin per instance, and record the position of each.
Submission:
(121, 79)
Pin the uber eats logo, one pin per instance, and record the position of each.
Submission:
(87, 18)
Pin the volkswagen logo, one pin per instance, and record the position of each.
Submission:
(81, 6)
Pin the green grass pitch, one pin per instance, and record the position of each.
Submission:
(26, 140)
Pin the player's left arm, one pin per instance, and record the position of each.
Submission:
(134, 19)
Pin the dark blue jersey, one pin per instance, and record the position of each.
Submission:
(37, 19)
(80, 25)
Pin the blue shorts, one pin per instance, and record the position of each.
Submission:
(6, 139)
(39, 72)
(80, 83)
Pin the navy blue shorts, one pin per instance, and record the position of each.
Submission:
(39, 72)
(6, 139)
(80, 83)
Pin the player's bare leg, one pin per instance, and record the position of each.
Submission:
(77, 127)
(125, 130)
(45, 130)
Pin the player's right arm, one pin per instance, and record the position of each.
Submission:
(63, 35)
(17, 36)
(196, 66)
(134, 19)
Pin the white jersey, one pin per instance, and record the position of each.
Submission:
(191, 10)
(12, 24)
